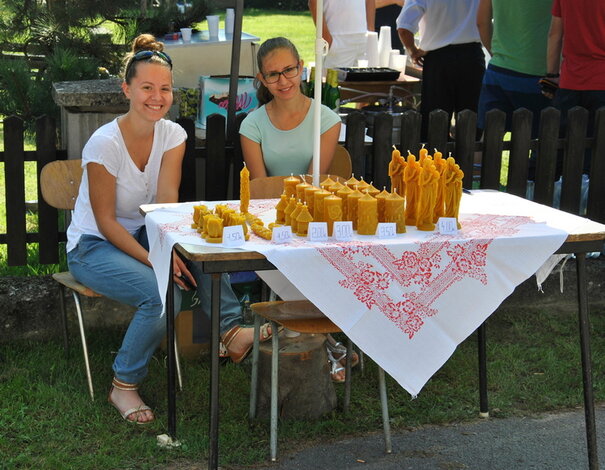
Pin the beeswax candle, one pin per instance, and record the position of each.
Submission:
(300, 190)
(380, 197)
(309, 197)
(294, 215)
(352, 200)
(367, 215)
(440, 165)
(288, 211)
(429, 178)
(214, 230)
(332, 211)
(318, 204)
(372, 190)
(362, 186)
(302, 221)
(290, 185)
(411, 176)
(280, 208)
(325, 184)
(453, 189)
(352, 182)
(244, 189)
(394, 211)
(337, 186)
(343, 194)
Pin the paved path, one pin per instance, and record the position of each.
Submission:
(550, 442)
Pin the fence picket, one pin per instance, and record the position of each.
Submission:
(491, 160)
(411, 122)
(596, 194)
(466, 125)
(518, 161)
(573, 160)
(217, 167)
(439, 129)
(14, 175)
(187, 190)
(48, 217)
(383, 134)
(355, 142)
(546, 161)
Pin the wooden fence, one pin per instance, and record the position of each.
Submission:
(369, 160)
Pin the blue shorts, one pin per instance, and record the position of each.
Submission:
(508, 90)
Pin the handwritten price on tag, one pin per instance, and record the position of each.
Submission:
(318, 232)
(447, 226)
(233, 236)
(386, 230)
(343, 230)
(282, 234)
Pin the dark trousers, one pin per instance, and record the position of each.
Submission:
(451, 80)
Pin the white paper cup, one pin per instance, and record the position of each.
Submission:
(362, 63)
(229, 20)
(397, 62)
(186, 34)
(212, 26)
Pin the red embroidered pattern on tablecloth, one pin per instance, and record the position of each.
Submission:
(423, 274)
(176, 226)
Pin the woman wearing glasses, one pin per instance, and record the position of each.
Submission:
(133, 160)
(277, 138)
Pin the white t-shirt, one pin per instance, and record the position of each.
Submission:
(133, 186)
(440, 22)
(345, 16)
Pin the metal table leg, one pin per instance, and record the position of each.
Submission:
(482, 350)
(214, 370)
(171, 356)
(589, 413)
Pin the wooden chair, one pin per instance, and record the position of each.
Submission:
(303, 317)
(59, 184)
(272, 186)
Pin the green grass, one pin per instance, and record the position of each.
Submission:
(297, 26)
(48, 421)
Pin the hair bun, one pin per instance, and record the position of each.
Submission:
(146, 42)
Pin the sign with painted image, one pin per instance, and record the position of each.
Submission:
(214, 97)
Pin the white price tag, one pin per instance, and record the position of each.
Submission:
(233, 235)
(386, 230)
(282, 234)
(318, 232)
(343, 230)
(447, 226)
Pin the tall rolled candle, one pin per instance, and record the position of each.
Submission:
(244, 189)
(380, 197)
(325, 184)
(352, 182)
(318, 204)
(309, 197)
(394, 211)
(332, 211)
(367, 215)
(343, 194)
(300, 190)
(352, 200)
(290, 185)
(280, 208)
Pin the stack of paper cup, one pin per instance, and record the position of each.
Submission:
(397, 62)
(229, 20)
(372, 49)
(384, 46)
(212, 26)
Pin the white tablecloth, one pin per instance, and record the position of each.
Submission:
(406, 302)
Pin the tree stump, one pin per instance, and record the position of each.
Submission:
(305, 388)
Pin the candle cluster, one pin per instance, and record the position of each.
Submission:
(210, 224)
(431, 185)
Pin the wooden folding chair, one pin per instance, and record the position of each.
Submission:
(59, 184)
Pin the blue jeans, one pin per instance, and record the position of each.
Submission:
(112, 273)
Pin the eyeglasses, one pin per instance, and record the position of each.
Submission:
(144, 55)
(290, 72)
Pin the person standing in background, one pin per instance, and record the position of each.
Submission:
(449, 51)
(345, 24)
(576, 31)
(517, 43)
(387, 12)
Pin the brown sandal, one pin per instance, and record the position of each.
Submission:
(230, 336)
(115, 383)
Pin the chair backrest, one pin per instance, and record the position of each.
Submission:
(341, 163)
(270, 187)
(60, 182)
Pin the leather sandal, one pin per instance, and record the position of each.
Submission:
(115, 383)
(230, 336)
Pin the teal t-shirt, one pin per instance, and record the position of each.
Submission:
(286, 152)
(520, 35)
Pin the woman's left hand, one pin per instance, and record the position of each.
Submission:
(182, 275)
